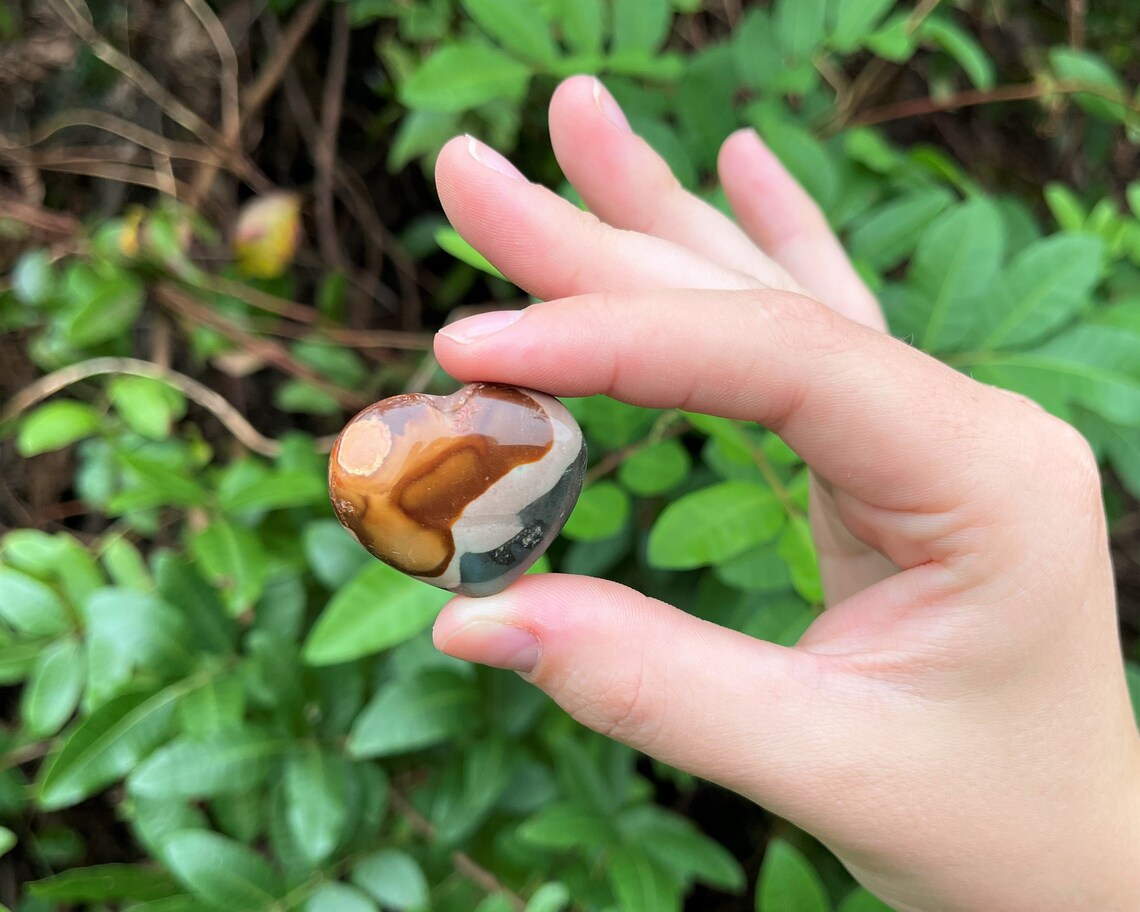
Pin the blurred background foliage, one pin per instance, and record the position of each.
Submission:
(218, 238)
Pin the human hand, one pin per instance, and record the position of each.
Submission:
(955, 726)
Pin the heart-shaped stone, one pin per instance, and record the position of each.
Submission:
(463, 491)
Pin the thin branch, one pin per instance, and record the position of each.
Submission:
(185, 304)
(116, 171)
(461, 861)
(325, 157)
(234, 421)
(1077, 23)
(253, 98)
(916, 107)
(228, 85)
(78, 18)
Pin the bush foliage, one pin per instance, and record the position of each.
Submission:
(216, 700)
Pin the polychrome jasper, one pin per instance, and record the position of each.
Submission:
(463, 491)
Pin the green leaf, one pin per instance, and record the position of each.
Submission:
(1065, 207)
(1084, 68)
(160, 484)
(216, 706)
(640, 25)
(54, 688)
(127, 631)
(149, 407)
(854, 20)
(378, 608)
(393, 878)
(800, 26)
(339, 897)
(31, 607)
(954, 268)
(656, 469)
(798, 551)
(288, 489)
(316, 794)
(894, 40)
(207, 765)
(103, 883)
(334, 556)
(886, 235)
(451, 241)
(960, 45)
(103, 305)
(108, 744)
(56, 425)
(582, 22)
(408, 715)
(713, 525)
(221, 871)
(32, 279)
(759, 569)
(756, 53)
(7, 840)
(638, 884)
(519, 27)
(859, 900)
(1132, 674)
(601, 511)
(18, 659)
(788, 882)
(460, 76)
(1091, 366)
(125, 564)
(232, 558)
(564, 825)
(680, 847)
(550, 897)
(1046, 285)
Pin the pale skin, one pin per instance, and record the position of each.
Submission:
(956, 725)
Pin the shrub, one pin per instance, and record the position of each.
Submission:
(217, 700)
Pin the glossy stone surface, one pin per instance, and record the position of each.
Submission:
(463, 491)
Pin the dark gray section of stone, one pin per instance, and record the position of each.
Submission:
(541, 521)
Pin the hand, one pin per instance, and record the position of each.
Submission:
(955, 726)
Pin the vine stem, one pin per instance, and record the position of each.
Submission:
(234, 421)
(1024, 91)
(463, 863)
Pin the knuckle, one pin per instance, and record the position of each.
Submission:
(620, 707)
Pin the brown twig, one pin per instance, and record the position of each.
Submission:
(1077, 23)
(325, 153)
(462, 862)
(78, 18)
(187, 306)
(234, 421)
(254, 97)
(228, 87)
(916, 107)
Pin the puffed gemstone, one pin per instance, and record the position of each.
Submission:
(463, 491)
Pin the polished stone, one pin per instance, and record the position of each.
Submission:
(463, 491)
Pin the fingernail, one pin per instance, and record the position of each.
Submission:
(494, 644)
(489, 158)
(480, 326)
(610, 109)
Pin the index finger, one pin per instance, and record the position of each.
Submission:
(888, 426)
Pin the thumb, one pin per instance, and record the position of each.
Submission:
(702, 698)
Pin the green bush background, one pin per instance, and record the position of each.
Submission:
(213, 699)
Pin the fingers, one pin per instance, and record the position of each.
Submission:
(628, 185)
(698, 696)
(548, 246)
(873, 417)
(786, 222)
